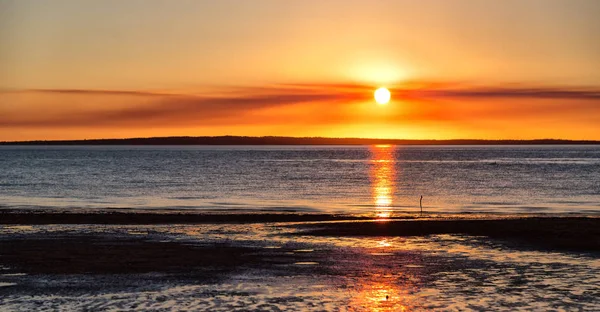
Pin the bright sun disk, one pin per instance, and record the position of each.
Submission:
(382, 96)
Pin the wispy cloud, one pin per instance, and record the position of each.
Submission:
(244, 105)
(514, 92)
(162, 109)
(89, 92)
(284, 92)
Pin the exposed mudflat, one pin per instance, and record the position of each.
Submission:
(422, 264)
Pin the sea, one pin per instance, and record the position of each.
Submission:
(378, 180)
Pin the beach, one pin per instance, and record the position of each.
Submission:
(220, 262)
(299, 228)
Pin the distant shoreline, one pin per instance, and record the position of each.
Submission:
(276, 140)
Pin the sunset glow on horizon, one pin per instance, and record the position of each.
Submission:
(459, 69)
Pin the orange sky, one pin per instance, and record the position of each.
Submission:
(456, 69)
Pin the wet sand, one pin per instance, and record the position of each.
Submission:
(548, 232)
(307, 262)
(563, 233)
(161, 217)
(109, 254)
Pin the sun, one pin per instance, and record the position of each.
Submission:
(382, 96)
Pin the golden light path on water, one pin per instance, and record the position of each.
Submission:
(380, 292)
(383, 174)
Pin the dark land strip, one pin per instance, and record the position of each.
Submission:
(561, 233)
(564, 233)
(276, 140)
(24, 217)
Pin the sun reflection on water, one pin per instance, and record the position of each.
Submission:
(384, 243)
(382, 294)
(383, 174)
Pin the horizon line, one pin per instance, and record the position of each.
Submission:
(165, 140)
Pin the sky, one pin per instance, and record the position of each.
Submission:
(512, 69)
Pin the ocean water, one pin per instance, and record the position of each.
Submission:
(380, 180)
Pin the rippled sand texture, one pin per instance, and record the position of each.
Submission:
(271, 270)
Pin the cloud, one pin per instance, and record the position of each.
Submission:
(88, 92)
(508, 92)
(281, 104)
(170, 109)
